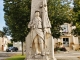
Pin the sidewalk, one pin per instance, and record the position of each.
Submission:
(67, 58)
(3, 58)
(71, 55)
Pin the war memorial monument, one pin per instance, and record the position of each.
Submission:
(39, 41)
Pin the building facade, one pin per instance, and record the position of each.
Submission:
(3, 43)
(67, 39)
(19, 45)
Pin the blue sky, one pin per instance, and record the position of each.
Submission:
(2, 22)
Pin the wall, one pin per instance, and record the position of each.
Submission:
(3, 43)
(18, 45)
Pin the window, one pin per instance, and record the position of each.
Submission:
(64, 28)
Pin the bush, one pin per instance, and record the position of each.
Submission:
(10, 44)
(63, 49)
(56, 49)
(60, 48)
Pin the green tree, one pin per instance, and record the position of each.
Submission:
(59, 12)
(17, 16)
(77, 17)
(10, 44)
(2, 34)
(6, 31)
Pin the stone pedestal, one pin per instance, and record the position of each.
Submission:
(39, 57)
(48, 52)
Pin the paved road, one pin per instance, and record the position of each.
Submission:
(3, 58)
(4, 55)
(72, 55)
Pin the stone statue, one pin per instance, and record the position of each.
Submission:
(45, 18)
(39, 41)
(38, 38)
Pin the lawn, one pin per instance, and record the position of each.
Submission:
(18, 57)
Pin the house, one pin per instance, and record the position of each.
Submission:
(3, 43)
(67, 39)
(19, 45)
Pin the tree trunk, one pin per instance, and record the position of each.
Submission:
(22, 48)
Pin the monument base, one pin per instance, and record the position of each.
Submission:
(39, 57)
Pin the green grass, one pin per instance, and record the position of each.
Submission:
(18, 57)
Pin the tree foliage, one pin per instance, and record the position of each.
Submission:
(6, 31)
(77, 17)
(2, 34)
(17, 16)
(10, 44)
(59, 13)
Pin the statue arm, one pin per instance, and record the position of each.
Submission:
(31, 24)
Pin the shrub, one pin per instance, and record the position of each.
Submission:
(10, 44)
(60, 48)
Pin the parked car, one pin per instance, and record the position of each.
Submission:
(12, 49)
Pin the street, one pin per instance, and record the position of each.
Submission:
(4, 55)
(71, 55)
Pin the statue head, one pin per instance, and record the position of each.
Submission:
(37, 13)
